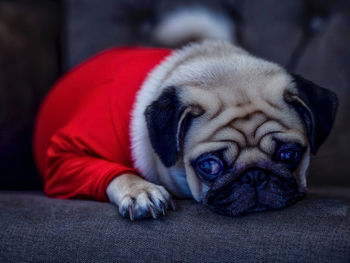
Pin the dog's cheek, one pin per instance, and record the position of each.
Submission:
(194, 184)
(205, 190)
(301, 173)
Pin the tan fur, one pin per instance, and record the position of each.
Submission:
(242, 102)
(242, 97)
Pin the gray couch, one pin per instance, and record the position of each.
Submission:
(44, 38)
(35, 228)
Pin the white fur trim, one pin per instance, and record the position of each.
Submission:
(196, 22)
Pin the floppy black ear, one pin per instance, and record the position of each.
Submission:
(168, 121)
(316, 106)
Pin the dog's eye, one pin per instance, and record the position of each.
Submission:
(289, 156)
(289, 153)
(210, 168)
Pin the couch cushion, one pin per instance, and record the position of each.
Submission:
(37, 228)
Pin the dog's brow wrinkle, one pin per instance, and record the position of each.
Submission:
(247, 116)
(217, 113)
(273, 105)
(222, 120)
(269, 118)
(261, 149)
(285, 126)
(221, 136)
(259, 125)
(242, 104)
(230, 141)
(280, 128)
(266, 134)
(244, 135)
(249, 127)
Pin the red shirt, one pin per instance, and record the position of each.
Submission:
(81, 137)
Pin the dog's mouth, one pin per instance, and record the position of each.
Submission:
(256, 190)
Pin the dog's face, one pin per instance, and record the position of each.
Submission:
(243, 133)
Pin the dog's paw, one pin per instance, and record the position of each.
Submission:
(137, 198)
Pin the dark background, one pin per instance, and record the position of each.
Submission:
(42, 39)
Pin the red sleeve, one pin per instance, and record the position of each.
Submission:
(86, 154)
(75, 171)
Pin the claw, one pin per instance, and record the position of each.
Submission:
(163, 207)
(153, 213)
(131, 212)
(172, 204)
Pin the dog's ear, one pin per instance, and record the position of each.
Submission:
(168, 120)
(316, 106)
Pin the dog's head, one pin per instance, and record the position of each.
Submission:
(242, 129)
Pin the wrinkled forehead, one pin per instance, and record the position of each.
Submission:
(245, 110)
(242, 99)
(249, 113)
(253, 138)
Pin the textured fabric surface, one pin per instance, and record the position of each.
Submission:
(35, 228)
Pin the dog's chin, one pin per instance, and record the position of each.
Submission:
(240, 197)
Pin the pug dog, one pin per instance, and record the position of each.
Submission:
(230, 130)
(213, 123)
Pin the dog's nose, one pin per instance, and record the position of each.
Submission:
(255, 177)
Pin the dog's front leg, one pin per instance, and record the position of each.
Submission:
(138, 198)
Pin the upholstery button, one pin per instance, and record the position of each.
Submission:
(317, 24)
